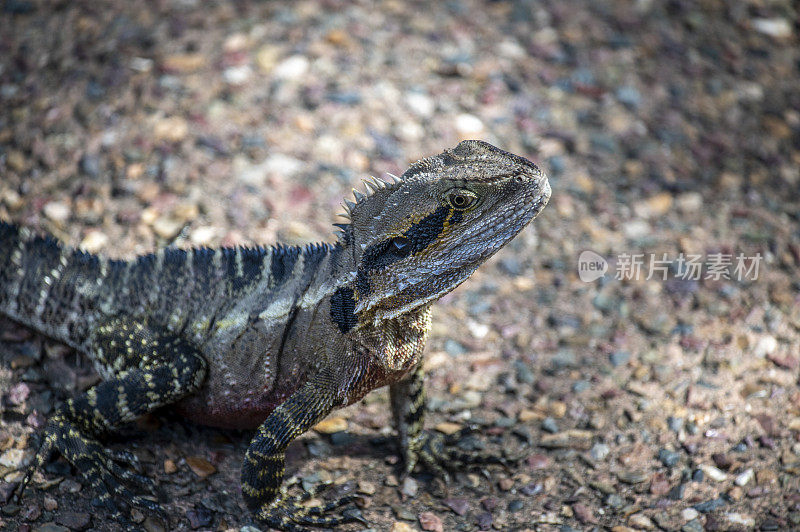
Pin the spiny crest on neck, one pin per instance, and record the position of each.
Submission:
(374, 187)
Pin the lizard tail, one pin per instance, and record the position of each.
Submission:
(45, 285)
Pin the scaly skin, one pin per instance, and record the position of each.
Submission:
(274, 338)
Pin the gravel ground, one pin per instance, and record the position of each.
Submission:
(669, 129)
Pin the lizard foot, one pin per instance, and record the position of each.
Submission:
(289, 513)
(100, 466)
(438, 453)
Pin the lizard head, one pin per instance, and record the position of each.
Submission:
(418, 238)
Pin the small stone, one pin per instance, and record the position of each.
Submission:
(448, 428)
(710, 506)
(331, 425)
(538, 461)
(633, 477)
(766, 476)
(183, 63)
(689, 513)
(430, 521)
(50, 504)
(584, 514)
(367, 488)
(291, 68)
(200, 466)
(170, 467)
(167, 227)
(420, 104)
(549, 425)
(675, 424)
(515, 505)
(468, 125)
(18, 394)
(399, 526)
(237, 75)
(614, 501)
(267, 57)
(459, 506)
(722, 460)
(505, 484)
(599, 451)
(57, 211)
(766, 345)
(641, 521)
(171, 129)
(778, 28)
(740, 519)
(743, 478)
(199, 517)
(714, 473)
(410, 487)
(668, 458)
(10, 509)
(32, 513)
(74, 520)
(12, 458)
(692, 526)
(94, 241)
(484, 521)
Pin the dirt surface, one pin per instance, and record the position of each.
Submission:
(667, 128)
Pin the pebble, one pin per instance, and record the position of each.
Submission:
(677, 491)
(430, 521)
(74, 520)
(614, 501)
(57, 211)
(689, 513)
(633, 477)
(710, 506)
(714, 473)
(668, 458)
(292, 68)
(641, 521)
(410, 487)
(50, 504)
(171, 129)
(367, 488)
(469, 125)
(200, 466)
(399, 526)
(484, 521)
(170, 467)
(237, 75)
(584, 514)
(549, 425)
(94, 241)
(199, 517)
(599, 451)
(692, 526)
(458, 505)
(766, 345)
(448, 428)
(331, 425)
(743, 478)
(420, 104)
(12, 458)
(779, 28)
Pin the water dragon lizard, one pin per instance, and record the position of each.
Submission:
(269, 337)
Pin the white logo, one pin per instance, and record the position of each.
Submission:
(591, 266)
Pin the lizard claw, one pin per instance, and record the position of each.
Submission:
(290, 514)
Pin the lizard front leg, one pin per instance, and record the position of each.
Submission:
(149, 370)
(435, 451)
(263, 466)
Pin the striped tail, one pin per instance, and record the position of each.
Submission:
(45, 285)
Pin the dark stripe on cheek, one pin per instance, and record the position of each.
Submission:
(420, 236)
(343, 306)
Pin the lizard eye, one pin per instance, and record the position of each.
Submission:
(461, 199)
